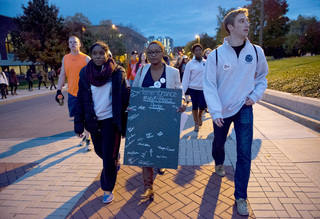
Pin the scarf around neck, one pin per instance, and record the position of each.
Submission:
(97, 76)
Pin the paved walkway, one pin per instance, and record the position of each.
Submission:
(52, 177)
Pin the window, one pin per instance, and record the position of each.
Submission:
(9, 48)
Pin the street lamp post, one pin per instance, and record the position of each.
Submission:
(198, 37)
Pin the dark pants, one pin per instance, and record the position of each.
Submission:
(197, 99)
(30, 85)
(3, 90)
(15, 86)
(243, 126)
(106, 145)
(44, 83)
(52, 84)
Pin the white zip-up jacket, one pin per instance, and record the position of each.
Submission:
(172, 77)
(193, 75)
(228, 83)
(3, 78)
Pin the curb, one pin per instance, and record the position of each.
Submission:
(25, 97)
(304, 110)
(306, 106)
(303, 120)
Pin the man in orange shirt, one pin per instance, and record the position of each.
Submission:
(131, 69)
(72, 63)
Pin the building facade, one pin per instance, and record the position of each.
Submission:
(7, 59)
(166, 41)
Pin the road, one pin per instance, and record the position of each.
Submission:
(34, 118)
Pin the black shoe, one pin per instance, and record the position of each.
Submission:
(161, 171)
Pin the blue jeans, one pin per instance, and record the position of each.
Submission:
(72, 102)
(243, 126)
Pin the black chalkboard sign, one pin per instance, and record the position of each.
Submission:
(153, 128)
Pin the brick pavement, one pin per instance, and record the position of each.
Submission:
(10, 172)
(188, 192)
(65, 181)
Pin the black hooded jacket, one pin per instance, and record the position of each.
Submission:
(85, 116)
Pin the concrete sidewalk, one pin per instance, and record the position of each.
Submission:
(24, 94)
(58, 179)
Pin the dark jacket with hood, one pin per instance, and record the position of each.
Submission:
(85, 116)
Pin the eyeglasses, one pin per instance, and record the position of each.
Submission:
(151, 53)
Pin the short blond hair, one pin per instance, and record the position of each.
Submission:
(231, 16)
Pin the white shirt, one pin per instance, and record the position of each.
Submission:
(193, 75)
(102, 101)
(3, 79)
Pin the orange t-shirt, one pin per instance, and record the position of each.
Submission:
(130, 68)
(72, 66)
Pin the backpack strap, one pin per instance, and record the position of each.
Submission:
(255, 49)
(217, 57)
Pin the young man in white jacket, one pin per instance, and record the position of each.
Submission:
(234, 80)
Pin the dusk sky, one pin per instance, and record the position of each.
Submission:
(180, 20)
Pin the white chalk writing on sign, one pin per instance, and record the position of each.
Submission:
(130, 142)
(130, 129)
(144, 144)
(149, 135)
(134, 93)
(131, 136)
(166, 148)
(155, 106)
(133, 117)
(152, 132)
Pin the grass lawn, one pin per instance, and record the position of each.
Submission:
(299, 76)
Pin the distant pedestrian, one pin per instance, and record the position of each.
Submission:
(234, 80)
(166, 59)
(102, 102)
(52, 75)
(142, 61)
(193, 82)
(181, 68)
(13, 82)
(29, 78)
(206, 53)
(3, 84)
(6, 71)
(178, 62)
(42, 80)
(131, 69)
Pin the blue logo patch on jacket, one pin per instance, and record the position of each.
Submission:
(249, 58)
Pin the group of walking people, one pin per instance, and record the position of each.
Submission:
(12, 81)
(228, 82)
(41, 76)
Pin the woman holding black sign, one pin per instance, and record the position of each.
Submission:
(156, 75)
(101, 104)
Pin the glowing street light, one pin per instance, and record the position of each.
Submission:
(198, 37)
(113, 26)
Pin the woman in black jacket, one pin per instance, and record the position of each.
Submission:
(101, 109)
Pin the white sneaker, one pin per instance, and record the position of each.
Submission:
(242, 206)
(89, 146)
(83, 141)
(107, 197)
